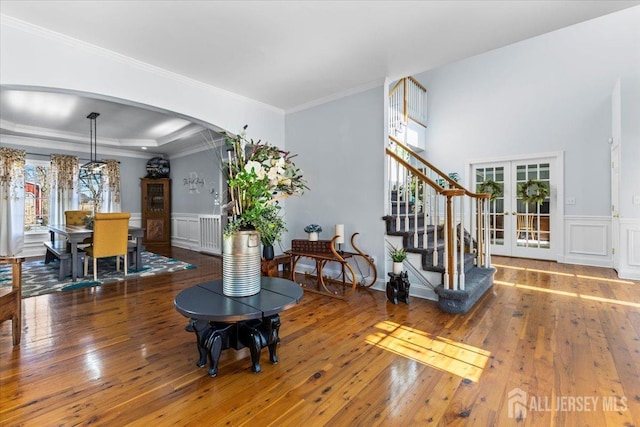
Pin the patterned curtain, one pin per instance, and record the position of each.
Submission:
(12, 166)
(64, 186)
(111, 182)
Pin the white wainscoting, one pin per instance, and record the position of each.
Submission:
(629, 249)
(587, 241)
(185, 231)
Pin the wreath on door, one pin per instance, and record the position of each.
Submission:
(491, 187)
(533, 191)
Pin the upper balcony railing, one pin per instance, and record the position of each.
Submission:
(407, 101)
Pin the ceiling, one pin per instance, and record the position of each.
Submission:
(287, 54)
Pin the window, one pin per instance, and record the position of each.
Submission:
(37, 196)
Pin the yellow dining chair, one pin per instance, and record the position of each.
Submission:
(110, 237)
(77, 218)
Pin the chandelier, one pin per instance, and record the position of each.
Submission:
(93, 166)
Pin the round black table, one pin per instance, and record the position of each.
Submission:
(221, 322)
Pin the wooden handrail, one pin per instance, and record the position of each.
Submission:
(417, 83)
(443, 175)
(396, 87)
(416, 172)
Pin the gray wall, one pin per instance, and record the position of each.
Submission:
(340, 148)
(548, 93)
(204, 165)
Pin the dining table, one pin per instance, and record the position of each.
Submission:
(77, 233)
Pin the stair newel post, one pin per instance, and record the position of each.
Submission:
(450, 273)
(461, 277)
(445, 262)
(479, 233)
(454, 248)
(487, 242)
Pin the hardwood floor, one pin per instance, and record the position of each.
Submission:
(567, 336)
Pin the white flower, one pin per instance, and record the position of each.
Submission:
(256, 167)
(285, 181)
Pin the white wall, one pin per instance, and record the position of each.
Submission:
(547, 94)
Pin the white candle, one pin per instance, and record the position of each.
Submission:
(340, 233)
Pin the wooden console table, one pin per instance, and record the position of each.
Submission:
(323, 252)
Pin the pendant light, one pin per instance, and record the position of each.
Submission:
(93, 166)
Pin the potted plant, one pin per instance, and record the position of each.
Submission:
(398, 255)
(313, 230)
(270, 226)
(258, 176)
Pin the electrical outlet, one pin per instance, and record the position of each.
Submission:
(375, 260)
(636, 200)
(570, 201)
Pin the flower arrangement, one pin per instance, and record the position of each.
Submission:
(398, 254)
(259, 175)
(313, 228)
(491, 187)
(533, 191)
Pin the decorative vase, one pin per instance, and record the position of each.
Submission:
(267, 252)
(241, 264)
(397, 267)
(313, 236)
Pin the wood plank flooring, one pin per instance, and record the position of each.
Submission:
(568, 337)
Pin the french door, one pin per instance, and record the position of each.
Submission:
(517, 228)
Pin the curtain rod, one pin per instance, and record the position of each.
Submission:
(49, 156)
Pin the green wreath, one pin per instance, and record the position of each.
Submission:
(533, 191)
(491, 187)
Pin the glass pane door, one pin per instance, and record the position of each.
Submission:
(520, 224)
(532, 223)
(496, 205)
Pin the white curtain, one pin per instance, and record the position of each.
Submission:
(64, 186)
(12, 166)
(111, 183)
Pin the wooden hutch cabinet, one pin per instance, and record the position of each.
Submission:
(156, 213)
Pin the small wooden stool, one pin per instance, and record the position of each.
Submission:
(11, 303)
(271, 267)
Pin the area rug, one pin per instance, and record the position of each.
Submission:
(39, 278)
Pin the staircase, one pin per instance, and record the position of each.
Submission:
(443, 226)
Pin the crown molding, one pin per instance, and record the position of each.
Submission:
(358, 89)
(25, 142)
